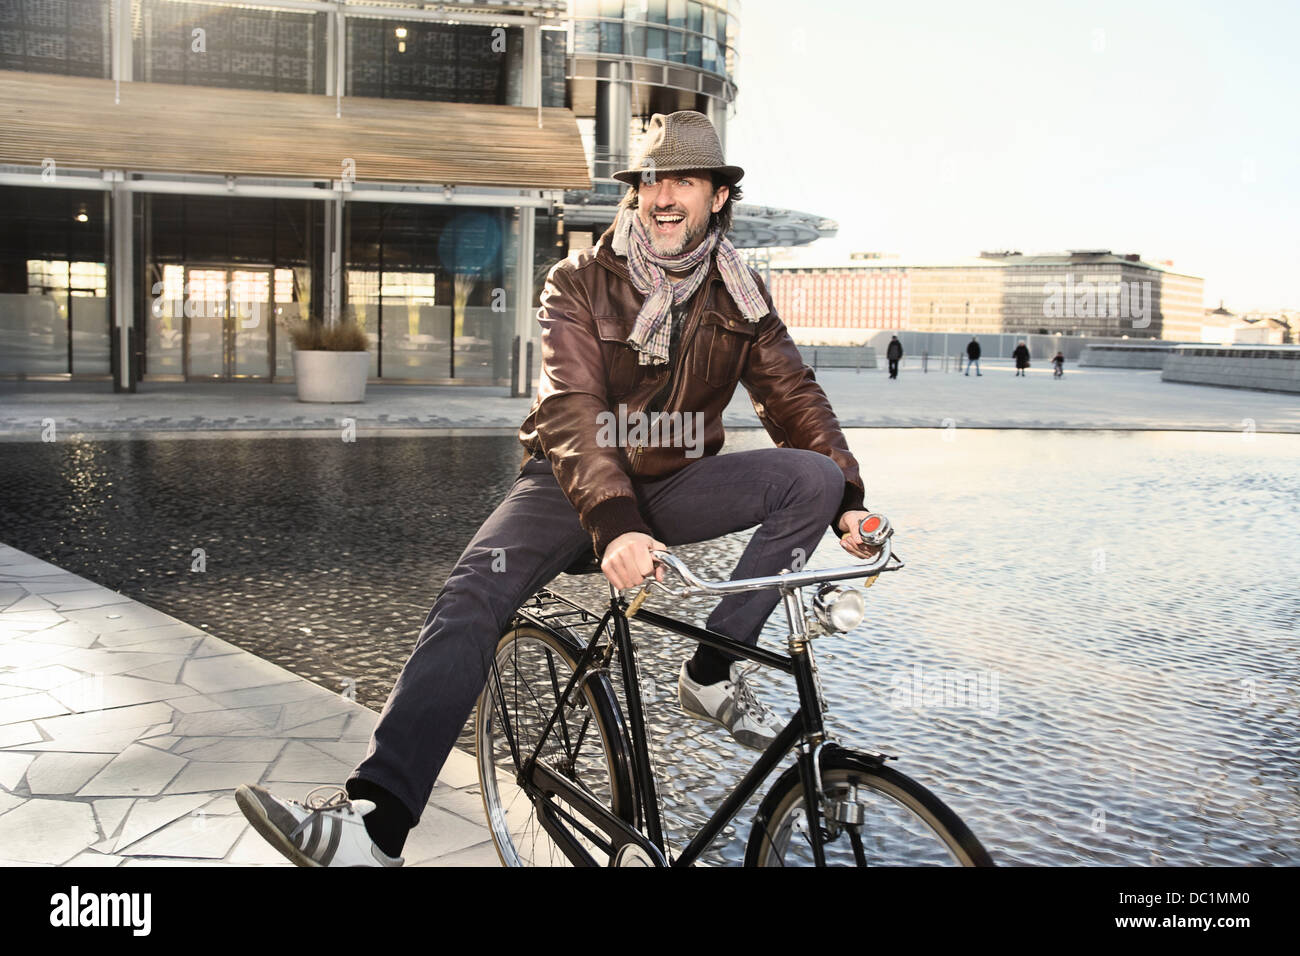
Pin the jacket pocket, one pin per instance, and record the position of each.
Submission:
(721, 346)
(621, 365)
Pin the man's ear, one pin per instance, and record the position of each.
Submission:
(720, 197)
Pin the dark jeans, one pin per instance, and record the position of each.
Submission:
(893, 368)
(534, 534)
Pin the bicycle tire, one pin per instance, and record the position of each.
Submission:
(904, 823)
(534, 665)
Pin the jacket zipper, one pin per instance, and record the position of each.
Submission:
(688, 333)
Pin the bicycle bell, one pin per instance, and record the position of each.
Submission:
(875, 530)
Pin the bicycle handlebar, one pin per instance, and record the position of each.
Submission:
(794, 579)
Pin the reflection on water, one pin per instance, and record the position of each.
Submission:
(1091, 656)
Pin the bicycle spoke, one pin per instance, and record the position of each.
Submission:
(555, 687)
(529, 684)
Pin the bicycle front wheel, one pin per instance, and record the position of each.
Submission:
(902, 823)
(584, 747)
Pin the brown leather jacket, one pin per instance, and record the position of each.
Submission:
(588, 307)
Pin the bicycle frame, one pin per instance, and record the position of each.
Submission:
(805, 724)
(805, 729)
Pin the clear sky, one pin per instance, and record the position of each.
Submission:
(934, 128)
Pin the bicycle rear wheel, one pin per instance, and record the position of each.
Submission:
(585, 748)
(903, 824)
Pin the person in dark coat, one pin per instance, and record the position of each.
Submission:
(1021, 355)
(894, 353)
(1058, 365)
(973, 356)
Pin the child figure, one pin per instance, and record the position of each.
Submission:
(1058, 365)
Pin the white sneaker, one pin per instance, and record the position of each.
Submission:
(730, 704)
(324, 832)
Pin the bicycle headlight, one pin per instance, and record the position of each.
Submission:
(839, 608)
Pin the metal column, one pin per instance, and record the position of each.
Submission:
(122, 59)
(531, 67)
(332, 222)
(122, 224)
(524, 320)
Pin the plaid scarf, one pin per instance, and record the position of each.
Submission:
(653, 330)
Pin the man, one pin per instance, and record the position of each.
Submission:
(894, 352)
(661, 315)
(973, 356)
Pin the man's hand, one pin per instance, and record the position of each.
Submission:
(852, 541)
(627, 559)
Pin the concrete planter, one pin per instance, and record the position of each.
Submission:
(331, 376)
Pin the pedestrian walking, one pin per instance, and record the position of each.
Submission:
(894, 353)
(1058, 364)
(1021, 355)
(973, 356)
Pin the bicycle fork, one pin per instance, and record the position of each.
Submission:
(812, 704)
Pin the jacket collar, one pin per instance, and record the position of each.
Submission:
(618, 264)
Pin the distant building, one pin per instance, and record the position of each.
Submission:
(1082, 292)
(845, 297)
(1257, 329)
(1224, 327)
(1216, 326)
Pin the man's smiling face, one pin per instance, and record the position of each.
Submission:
(675, 210)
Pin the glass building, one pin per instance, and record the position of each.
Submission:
(630, 59)
(180, 178)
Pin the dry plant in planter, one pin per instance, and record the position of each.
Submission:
(330, 362)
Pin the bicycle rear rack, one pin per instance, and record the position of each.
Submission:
(551, 609)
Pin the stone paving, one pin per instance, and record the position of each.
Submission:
(123, 733)
(1084, 398)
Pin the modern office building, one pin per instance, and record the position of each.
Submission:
(180, 177)
(1082, 292)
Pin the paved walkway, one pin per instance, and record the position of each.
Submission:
(123, 733)
(1084, 398)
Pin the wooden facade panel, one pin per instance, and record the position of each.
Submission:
(160, 127)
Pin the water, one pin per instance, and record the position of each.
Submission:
(1091, 656)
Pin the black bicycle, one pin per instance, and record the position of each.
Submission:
(566, 780)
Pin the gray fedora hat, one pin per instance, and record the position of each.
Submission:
(678, 142)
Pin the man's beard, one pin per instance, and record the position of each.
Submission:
(689, 236)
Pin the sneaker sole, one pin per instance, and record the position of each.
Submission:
(257, 818)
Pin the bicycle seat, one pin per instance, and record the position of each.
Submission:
(588, 563)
